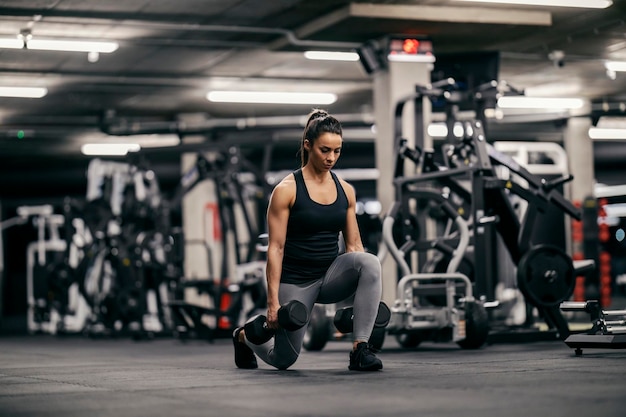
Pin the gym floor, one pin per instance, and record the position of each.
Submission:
(76, 376)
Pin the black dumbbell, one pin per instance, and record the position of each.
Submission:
(344, 318)
(291, 316)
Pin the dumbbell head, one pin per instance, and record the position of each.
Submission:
(383, 316)
(256, 330)
(343, 320)
(344, 317)
(293, 316)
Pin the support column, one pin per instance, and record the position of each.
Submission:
(390, 86)
(579, 149)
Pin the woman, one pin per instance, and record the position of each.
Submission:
(306, 212)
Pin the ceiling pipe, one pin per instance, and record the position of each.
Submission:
(123, 128)
(95, 18)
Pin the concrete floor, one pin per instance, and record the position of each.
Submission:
(75, 376)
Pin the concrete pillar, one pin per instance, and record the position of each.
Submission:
(579, 149)
(391, 85)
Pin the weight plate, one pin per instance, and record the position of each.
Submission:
(476, 326)
(545, 275)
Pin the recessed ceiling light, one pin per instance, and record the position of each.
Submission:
(72, 46)
(590, 4)
(109, 149)
(598, 133)
(271, 97)
(23, 92)
(615, 66)
(11, 43)
(331, 56)
(60, 45)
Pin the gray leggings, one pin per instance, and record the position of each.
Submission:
(354, 273)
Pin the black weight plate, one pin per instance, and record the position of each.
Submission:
(545, 275)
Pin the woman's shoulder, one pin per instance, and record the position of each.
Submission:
(347, 187)
(286, 187)
(287, 181)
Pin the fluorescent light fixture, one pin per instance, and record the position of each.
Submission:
(590, 4)
(598, 133)
(155, 140)
(11, 43)
(60, 45)
(411, 58)
(524, 102)
(23, 92)
(112, 146)
(331, 56)
(149, 141)
(109, 149)
(616, 66)
(271, 97)
(72, 46)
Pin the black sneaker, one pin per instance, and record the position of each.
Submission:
(363, 358)
(244, 356)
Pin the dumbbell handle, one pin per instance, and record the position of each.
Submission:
(573, 305)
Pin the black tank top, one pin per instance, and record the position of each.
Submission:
(311, 243)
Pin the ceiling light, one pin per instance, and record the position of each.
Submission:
(155, 140)
(599, 133)
(113, 145)
(109, 149)
(411, 58)
(59, 45)
(72, 46)
(23, 92)
(591, 4)
(271, 97)
(11, 43)
(615, 66)
(524, 102)
(331, 56)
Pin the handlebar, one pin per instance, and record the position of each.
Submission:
(398, 253)
(414, 154)
(550, 185)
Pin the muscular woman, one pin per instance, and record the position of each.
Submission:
(307, 211)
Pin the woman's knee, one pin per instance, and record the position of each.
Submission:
(287, 346)
(369, 262)
(283, 362)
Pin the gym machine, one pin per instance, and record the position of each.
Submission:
(545, 273)
(54, 304)
(126, 249)
(462, 318)
(231, 299)
(608, 329)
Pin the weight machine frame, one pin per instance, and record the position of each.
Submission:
(486, 194)
(226, 296)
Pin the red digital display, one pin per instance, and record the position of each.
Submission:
(410, 46)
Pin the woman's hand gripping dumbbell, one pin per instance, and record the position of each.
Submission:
(291, 316)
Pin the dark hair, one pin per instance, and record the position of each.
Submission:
(318, 122)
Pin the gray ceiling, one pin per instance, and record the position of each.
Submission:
(173, 51)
